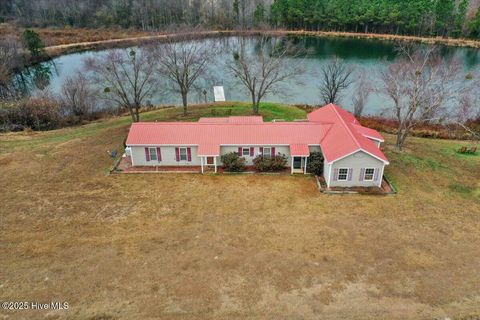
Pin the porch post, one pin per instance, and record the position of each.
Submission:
(305, 168)
(215, 162)
(291, 165)
(201, 162)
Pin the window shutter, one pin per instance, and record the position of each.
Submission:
(261, 151)
(159, 154)
(147, 154)
(240, 151)
(273, 152)
(349, 176)
(362, 174)
(189, 154)
(252, 150)
(376, 174)
(335, 174)
(177, 154)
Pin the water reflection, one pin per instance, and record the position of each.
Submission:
(33, 78)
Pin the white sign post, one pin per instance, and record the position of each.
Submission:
(218, 93)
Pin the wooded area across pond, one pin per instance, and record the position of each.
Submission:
(445, 18)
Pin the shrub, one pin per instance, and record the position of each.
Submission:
(233, 162)
(315, 163)
(275, 163)
(41, 113)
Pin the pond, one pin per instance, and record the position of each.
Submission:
(365, 56)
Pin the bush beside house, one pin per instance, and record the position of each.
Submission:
(315, 163)
(272, 164)
(232, 162)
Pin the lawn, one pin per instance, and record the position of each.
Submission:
(190, 246)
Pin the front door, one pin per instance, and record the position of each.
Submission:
(210, 161)
(297, 162)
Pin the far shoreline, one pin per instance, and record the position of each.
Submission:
(62, 49)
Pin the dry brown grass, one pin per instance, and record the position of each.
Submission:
(59, 36)
(233, 246)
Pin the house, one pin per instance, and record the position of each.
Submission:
(351, 151)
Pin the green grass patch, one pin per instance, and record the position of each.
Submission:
(460, 188)
(23, 140)
(408, 160)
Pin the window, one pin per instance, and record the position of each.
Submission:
(245, 151)
(342, 174)
(153, 153)
(267, 152)
(369, 173)
(183, 154)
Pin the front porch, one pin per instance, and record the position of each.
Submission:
(124, 165)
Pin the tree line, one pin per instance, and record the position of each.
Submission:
(142, 14)
(452, 18)
(445, 18)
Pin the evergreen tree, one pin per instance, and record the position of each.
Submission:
(33, 43)
(460, 16)
(259, 14)
(474, 25)
(444, 10)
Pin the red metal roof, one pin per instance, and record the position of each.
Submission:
(233, 119)
(208, 150)
(369, 133)
(337, 132)
(299, 150)
(194, 133)
(343, 138)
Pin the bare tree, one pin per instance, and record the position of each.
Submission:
(265, 70)
(10, 60)
(126, 76)
(335, 77)
(468, 110)
(419, 83)
(363, 89)
(78, 97)
(183, 63)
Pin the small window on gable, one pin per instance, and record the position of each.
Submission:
(267, 152)
(153, 153)
(342, 174)
(245, 151)
(183, 154)
(369, 173)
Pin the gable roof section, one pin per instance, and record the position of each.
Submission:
(346, 135)
(299, 150)
(208, 150)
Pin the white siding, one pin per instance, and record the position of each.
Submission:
(168, 157)
(249, 160)
(356, 162)
(326, 171)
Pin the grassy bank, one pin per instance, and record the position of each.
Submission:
(233, 246)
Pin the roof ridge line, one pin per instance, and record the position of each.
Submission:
(346, 126)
